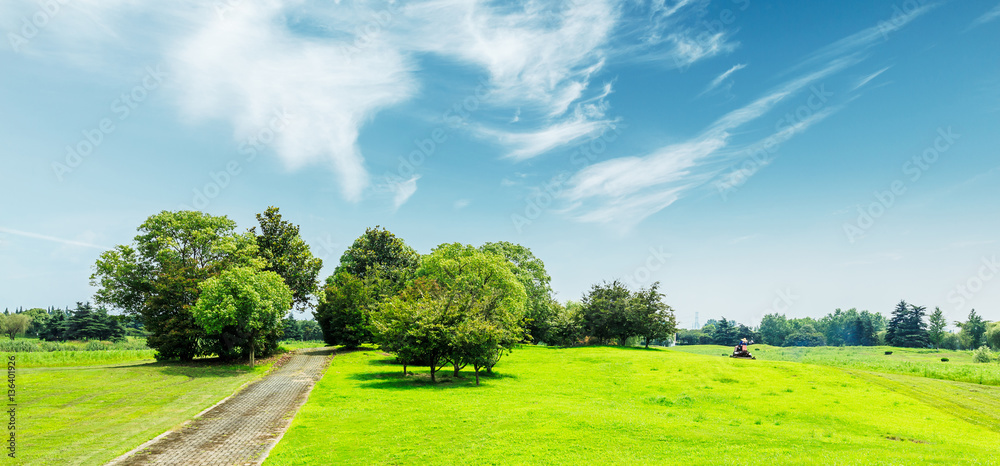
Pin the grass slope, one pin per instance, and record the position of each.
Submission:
(89, 415)
(622, 405)
(907, 361)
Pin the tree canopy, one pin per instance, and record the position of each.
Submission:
(157, 276)
(280, 244)
(375, 268)
(249, 303)
(907, 328)
(466, 306)
(530, 271)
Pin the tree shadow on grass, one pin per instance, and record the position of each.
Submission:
(421, 379)
(191, 369)
(217, 367)
(610, 347)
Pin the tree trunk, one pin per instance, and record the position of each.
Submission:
(404, 369)
(251, 356)
(456, 370)
(477, 376)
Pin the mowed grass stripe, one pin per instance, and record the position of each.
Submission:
(978, 404)
(606, 404)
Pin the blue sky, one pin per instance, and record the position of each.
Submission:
(752, 156)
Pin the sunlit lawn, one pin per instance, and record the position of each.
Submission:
(908, 361)
(604, 405)
(89, 415)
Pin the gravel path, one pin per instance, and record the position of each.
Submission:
(243, 428)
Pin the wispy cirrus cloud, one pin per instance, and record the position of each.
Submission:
(624, 191)
(987, 17)
(673, 35)
(722, 78)
(333, 67)
(868, 78)
(403, 190)
(54, 239)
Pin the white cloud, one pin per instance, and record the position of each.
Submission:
(722, 77)
(461, 204)
(403, 190)
(248, 66)
(528, 144)
(333, 67)
(866, 79)
(987, 17)
(623, 191)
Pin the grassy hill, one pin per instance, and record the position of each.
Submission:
(921, 362)
(629, 405)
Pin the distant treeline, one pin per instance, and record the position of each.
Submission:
(908, 326)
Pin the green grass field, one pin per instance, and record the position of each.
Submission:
(907, 361)
(628, 405)
(89, 415)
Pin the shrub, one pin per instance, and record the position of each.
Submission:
(982, 354)
(52, 346)
(888, 352)
(94, 345)
(944, 359)
(805, 339)
(20, 346)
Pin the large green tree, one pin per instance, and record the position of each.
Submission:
(344, 310)
(157, 276)
(774, 329)
(379, 253)
(726, 333)
(936, 327)
(482, 286)
(280, 244)
(653, 318)
(39, 319)
(253, 302)
(466, 306)
(607, 312)
(416, 325)
(993, 335)
(375, 268)
(566, 327)
(907, 328)
(56, 328)
(530, 271)
(974, 327)
(14, 324)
